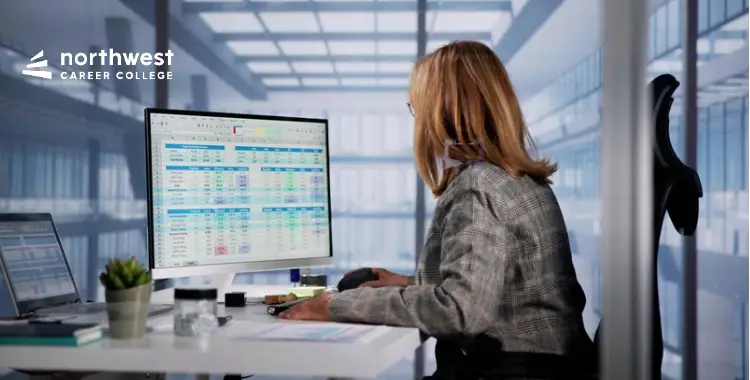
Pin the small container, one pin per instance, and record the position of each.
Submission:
(195, 312)
(314, 280)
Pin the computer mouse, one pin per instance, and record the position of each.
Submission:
(357, 278)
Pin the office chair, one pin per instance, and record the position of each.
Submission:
(677, 189)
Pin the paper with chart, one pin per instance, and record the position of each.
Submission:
(310, 332)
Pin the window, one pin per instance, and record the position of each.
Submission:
(661, 31)
(671, 313)
(702, 142)
(582, 84)
(734, 8)
(717, 12)
(593, 74)
(651, 37)
(716, 176)
(673, 24)
(702, 15)
(676, 135)
(716, 155)
(735, 146)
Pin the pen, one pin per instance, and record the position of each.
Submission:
(224, 320)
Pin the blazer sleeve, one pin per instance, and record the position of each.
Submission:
(471, 268)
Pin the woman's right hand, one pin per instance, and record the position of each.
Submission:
(385, 278)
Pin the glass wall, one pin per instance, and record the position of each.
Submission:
(64, 143)
(566, 120)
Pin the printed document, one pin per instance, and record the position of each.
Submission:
(310, 332)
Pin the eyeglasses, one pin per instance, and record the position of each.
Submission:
(411, 110)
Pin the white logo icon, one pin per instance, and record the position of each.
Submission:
(35, 65)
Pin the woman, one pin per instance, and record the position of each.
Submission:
(496, 265)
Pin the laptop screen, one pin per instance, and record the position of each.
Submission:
(34, 264)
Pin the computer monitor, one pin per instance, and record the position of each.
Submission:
(233, 193)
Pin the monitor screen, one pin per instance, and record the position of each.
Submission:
(229, 189)
(34, 261)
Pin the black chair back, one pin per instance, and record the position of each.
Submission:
(677, 189)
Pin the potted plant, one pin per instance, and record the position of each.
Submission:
(127, 287)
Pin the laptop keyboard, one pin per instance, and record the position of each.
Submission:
(100, 307)
(81, 308)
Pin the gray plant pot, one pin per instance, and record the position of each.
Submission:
(128, 311)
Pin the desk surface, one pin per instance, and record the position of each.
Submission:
(166, 353)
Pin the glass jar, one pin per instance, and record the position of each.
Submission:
(195, 312)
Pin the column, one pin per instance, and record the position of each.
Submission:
(198, 91)
(421, 202)
(161, 87)
(161, 29)
(92, 283)
(627, 191)
(689, 247)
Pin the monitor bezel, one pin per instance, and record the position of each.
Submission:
(28, 307)
(250, 266)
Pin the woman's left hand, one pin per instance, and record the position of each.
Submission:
(314, 309)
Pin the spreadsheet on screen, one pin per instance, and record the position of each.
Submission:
(34, 261)
(231, 190)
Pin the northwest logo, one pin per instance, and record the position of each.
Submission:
(33, 68)
(143, 65)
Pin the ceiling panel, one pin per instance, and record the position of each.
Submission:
(466, 21)
(408, 48)
(395, 82)
(313, 67)
(396, 22)
(352, 47)
(333, 22)
(280, 67)
(290, 22)
(296, 48)
(358, 81)
(395, 67)
(320, 82)
(281, 82)
(253, 48)
(356, 67)
(232, 22)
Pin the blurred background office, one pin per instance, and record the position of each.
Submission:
(75, 148)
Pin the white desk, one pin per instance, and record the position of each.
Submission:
(165, 353)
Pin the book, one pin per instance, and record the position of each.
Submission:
(50, 334)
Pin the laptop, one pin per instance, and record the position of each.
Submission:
(37, 273)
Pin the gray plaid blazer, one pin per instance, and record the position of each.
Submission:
(496, 263)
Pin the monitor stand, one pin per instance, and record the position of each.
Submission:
(222, 282)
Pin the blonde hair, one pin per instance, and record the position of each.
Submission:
(461, 92)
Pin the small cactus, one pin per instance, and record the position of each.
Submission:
(124, 274)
